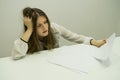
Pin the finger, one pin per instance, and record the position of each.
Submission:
(104, 41)
(25, 18)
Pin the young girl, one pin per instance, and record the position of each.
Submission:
(40, 34)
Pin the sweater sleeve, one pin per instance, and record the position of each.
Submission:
(20, 49)
(71, 36)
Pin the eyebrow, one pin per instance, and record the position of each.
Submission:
(43, 22)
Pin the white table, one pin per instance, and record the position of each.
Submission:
(36, 67)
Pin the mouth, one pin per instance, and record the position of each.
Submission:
(45, 31)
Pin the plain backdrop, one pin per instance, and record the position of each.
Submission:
(95, 18)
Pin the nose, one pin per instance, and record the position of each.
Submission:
(44, 27)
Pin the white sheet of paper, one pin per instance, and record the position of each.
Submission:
(105, 50)
(76, 58)
(81, 58)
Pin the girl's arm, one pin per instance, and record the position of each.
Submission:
(28, 32)
(20, 45)
(69, 35)
(20, 49)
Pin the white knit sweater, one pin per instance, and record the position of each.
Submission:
(20, 47)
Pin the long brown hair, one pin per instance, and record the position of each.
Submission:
(34, 41)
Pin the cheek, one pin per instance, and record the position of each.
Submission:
(47, 26)
(39, 31)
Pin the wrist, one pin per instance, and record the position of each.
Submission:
(23, 40)
(25, 37)
(30, 29)
(92, 41)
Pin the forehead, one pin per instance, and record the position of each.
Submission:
(41, 19)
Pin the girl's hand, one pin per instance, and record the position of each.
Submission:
(98, 43)
(28, 23)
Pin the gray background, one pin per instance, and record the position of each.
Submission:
(95, 18)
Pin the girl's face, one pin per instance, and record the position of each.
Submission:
(42, 26)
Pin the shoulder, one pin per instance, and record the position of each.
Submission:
(55, 27)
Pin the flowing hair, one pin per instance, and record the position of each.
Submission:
(34, 41)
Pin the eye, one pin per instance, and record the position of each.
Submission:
(39, 25)
(45, 22)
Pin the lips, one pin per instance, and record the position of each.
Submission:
(45, 31)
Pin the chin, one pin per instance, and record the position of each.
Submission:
(44, 35)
